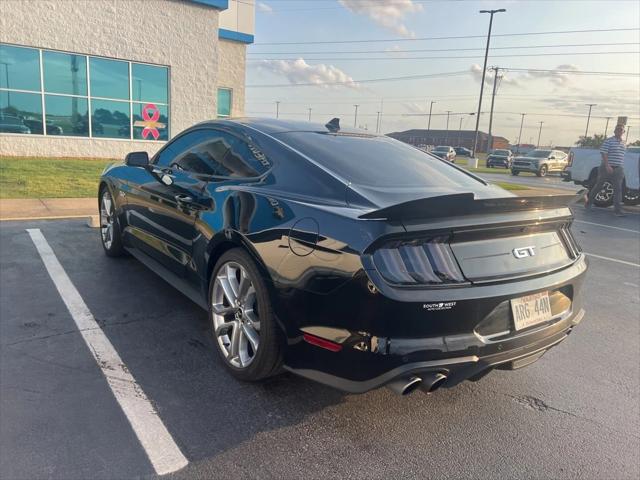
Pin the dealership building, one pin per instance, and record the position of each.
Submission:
(102, 78)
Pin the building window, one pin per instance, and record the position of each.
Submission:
(224, 102)
(45, 92)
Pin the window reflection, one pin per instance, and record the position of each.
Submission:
(20, 112)
(64, 73)
(224, 102)
(150, 121)
(110, 119)
(19, 68)
(66, 116)
(149, 83)
(109, 78)
(127, 100)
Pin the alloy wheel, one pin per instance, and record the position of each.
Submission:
(236, 320)
(106, 219)
(605, 194)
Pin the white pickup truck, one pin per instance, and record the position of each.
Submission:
(583, 170)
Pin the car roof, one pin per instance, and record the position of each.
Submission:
(273, 126)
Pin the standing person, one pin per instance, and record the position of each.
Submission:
(611, 169)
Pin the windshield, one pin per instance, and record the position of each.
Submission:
(377, 161)
(503, 153)
(539, 153)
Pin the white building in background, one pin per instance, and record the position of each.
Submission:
(101, 78)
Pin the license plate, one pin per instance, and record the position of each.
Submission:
(531, 310)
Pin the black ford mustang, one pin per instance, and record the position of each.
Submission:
(346, 257)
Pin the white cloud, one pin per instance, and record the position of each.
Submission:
(263, 7)
(395, 51)
(560, 79)
(299, 71)
(388, 14)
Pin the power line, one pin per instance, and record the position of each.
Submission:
(381, 40)
(446, 49)
(448, 57)
(369, 80)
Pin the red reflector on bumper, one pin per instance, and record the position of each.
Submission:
(321, 342)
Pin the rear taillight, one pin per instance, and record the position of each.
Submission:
(418, 263)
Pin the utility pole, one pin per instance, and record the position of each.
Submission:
(309, 113)
(446, 135)
(277, 109)
(627, 138)
(378, 122)
(460, 130)
(484, 71)
(355, 117)
(539, 134)
(430, 109)
(493, 99)
(586, 130)
(520, 134)
(606, 127)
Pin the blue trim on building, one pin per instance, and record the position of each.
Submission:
(235, 36)
(219, 4)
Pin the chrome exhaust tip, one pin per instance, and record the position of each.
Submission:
(405, 385)
(432, 382)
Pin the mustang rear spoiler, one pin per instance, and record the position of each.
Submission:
(459, 204)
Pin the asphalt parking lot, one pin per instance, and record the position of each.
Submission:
(573, 414)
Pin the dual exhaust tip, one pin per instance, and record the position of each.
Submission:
(429, 382)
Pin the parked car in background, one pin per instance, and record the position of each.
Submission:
(444, 152)
(540, 162)
(463, 152)
(12, 124)
(583, 170)
(349, 258)
(500, 158)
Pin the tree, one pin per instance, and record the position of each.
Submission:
(635, 144)
(591, 142)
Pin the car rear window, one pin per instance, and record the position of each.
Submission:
(376, 161)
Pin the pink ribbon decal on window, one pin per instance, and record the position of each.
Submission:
(150, 115)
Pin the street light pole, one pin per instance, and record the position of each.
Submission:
(484, 71)
(378, 122)
(586, 130)
(446, 136)
(520, 134)
(430, 109)
(277, 109)
(309, 113)
(355, 117)
(539, 134)
(627, 138)
(493, 99)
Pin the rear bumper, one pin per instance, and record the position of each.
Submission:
(455, 368)
(455, 342)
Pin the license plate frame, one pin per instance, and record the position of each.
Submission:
(531, 310)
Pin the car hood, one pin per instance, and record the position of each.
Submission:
(530, 158)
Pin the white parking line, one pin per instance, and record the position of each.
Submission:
(624, 262)
(608, 226)
(163, 453)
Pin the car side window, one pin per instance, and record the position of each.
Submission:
(215, 153)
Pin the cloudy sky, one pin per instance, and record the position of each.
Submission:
(293, 46)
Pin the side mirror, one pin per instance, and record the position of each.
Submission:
(137, 159)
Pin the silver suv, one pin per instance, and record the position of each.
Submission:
(540, 162)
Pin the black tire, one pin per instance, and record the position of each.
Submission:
(266, 360)
(515, 173)
(542, 172)
(111, 240)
